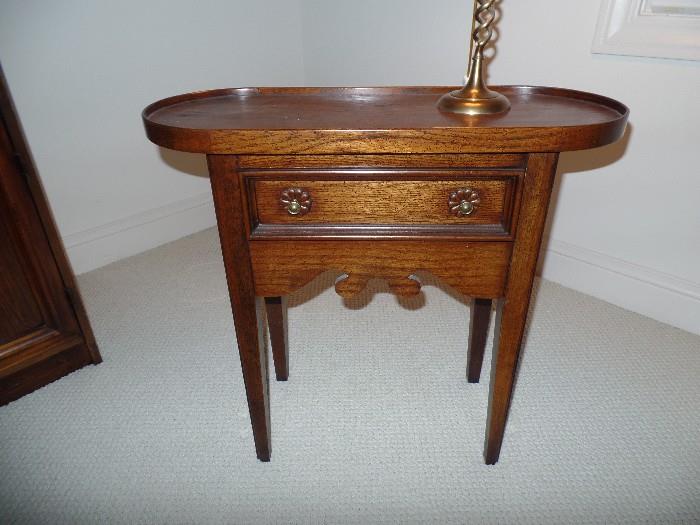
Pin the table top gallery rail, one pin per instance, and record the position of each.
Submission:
(379, 120)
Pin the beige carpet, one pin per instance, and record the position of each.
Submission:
(377, 423)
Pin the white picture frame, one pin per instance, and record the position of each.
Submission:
(649, 28)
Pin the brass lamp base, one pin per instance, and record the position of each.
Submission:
(469, 102)
(475, 98)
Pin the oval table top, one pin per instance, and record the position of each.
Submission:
(379, 120)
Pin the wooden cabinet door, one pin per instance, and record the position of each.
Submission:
(41, 333)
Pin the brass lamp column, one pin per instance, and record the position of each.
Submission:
(475, 98)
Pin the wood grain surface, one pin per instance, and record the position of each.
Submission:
(247, 309)
(477, 269)
(368, 201)
(512, 309)
(379, 120)
(477, 161)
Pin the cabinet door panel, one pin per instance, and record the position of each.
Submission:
(42, 321)
(44, 330)
(19, 311)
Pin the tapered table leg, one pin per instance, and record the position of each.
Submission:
(511, 313)
(480, 316)
(277, 322)
(246, 307)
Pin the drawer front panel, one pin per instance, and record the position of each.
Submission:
(475, 202)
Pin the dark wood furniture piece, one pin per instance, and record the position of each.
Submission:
(376, 182)
(44, 330)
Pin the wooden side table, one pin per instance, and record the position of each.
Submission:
(376, 182)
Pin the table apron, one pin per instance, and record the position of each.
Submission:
(477, 269)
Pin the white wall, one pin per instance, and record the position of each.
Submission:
(81, 72)
(626, 221)
(385, 42)
(625, 225)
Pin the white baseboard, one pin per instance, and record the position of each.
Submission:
(649, 292)
(137, 233)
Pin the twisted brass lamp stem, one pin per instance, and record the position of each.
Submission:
(484, 16)
(471, 44)
(475, 98)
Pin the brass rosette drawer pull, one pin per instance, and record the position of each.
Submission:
(296, 201)
(464, 202)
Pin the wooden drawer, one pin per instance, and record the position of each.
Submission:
(450, 202)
